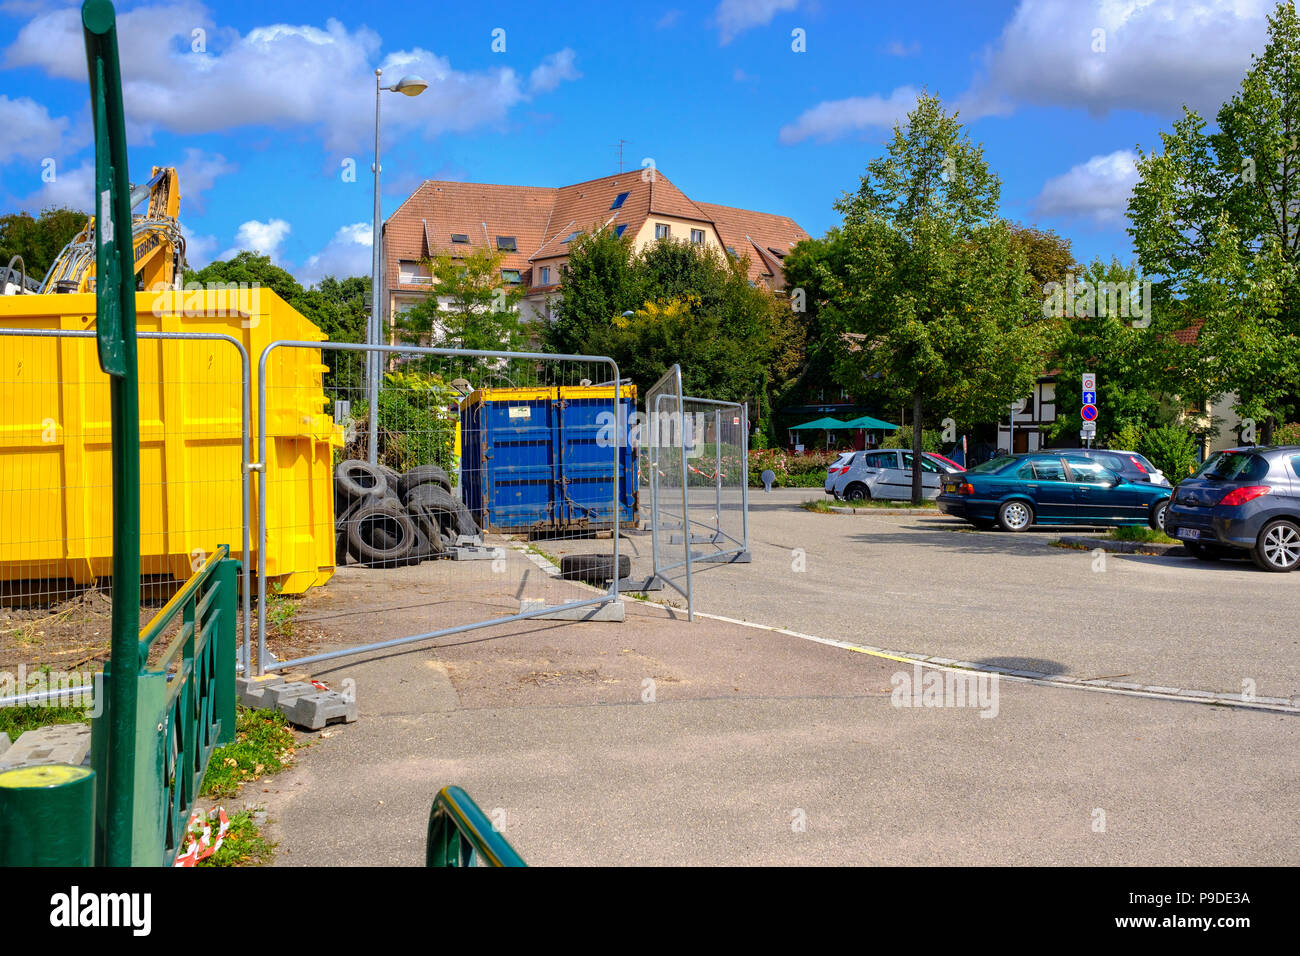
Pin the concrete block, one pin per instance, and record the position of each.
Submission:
(61, 743)
(251, 691)
(474, 553)
(4, 745)
(314, 711)
(614, 611)
(280, 696)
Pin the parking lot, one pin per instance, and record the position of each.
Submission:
(931, 584)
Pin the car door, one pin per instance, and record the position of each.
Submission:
(1043, 477)
(889, 480)
(1101, 496)
(930, 476)
(868, 468)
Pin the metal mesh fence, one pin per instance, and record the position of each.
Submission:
(56, 484)
(491, 491)
(667, 438)
(717, 478)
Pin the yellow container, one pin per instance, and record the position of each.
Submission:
(55, 440)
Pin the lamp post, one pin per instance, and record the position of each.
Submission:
(408, 86)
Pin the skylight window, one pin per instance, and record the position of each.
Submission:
(622, 198)
(511, 276)
(619, 231)
(507, 244)
(459, 239)
(571, 236)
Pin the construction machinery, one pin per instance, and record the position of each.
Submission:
(159, 244)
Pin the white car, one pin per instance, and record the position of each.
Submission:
(838, 467)
(886, 474)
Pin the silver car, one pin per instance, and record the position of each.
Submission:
(886, 475)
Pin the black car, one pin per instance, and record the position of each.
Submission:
(1129, 465)
(1242, 501)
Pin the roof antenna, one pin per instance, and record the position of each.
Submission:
(619, 146)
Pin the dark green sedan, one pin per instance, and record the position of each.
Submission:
(1019, 491)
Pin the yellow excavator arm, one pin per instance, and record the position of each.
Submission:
(159, 245)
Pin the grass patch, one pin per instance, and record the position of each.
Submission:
(1140, 533)
(243, 844)
(263, 745)
(824, 506)
(15, 720)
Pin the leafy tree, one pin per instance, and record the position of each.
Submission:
(599, 283)
(691, 305)
(480, 311)
(1214, 221)
(1047, 255)
(38, 240)
(934, 303)
(1134, 361)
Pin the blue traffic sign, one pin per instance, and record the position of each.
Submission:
(1089, 413)
(1090, 398)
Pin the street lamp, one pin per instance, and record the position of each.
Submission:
(408, 86)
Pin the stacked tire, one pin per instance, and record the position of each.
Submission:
(387, 519)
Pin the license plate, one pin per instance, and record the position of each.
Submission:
(1188, 534)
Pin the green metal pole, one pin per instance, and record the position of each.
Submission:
(47, 816)
(116, 327)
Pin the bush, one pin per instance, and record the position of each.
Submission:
(417, 423)
(1128, 438)
(931, 440)
(1287, 434)
(1172, 450)
(792, 471)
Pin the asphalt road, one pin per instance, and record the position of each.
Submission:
(932, 585)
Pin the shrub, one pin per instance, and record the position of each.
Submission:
(931, 440)
(1127, 438)
(1287, 434)
(1172, 450)
(792, 471)
(417, 423)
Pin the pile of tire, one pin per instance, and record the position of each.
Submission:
(385, 519)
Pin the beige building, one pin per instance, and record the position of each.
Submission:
(532, 227)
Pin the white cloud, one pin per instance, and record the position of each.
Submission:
(74, 188)
(734, 17)
(668, 19)
(264, 238)
(899, 48)
(857, 114)
(1097, 190)
(553, 70)
(198, 249)
(1158, 54)
(30, 132)
(347, 254)
(197, 172)
(279, 75)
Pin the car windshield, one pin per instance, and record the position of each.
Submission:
(996, 464)
(1233, 466)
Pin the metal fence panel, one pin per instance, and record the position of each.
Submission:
(668, 436)
(56, 487)
(493, 471)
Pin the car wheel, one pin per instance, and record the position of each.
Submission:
(1015, 516)
(1157, 518)
(857, 492)
(1278, 546)
(1203, 552)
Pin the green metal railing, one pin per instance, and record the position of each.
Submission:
(184, 709)
(459, 830)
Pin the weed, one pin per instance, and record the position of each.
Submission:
(15, 720)
(263, 745)
(243, 844)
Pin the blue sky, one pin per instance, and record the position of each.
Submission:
(263, 107)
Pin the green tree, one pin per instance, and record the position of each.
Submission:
(934, 305)
(38, 240)
(1214, 221)
(599, 283)
(691, 304)
(1133, 360)
(473, 307)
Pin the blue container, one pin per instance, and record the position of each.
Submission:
(541, 460)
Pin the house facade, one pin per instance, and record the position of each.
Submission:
(532, 227)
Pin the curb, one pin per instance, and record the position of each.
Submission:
(1123, 547)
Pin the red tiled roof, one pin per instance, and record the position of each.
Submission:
(541, 218)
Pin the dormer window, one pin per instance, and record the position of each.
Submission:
(507, 244)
